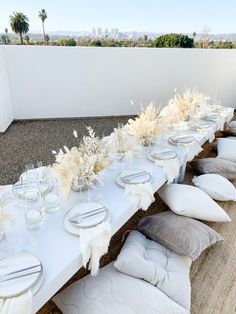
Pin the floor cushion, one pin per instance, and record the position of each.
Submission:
(183, 235)
(112, 292)
(190, 201)
(216, 186)
(223, 167)
(226, 149)
(149, 260)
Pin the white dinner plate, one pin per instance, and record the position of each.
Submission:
(199, 125)
(15, 287)
(181, 139)
(163, 154)
(90, 222)
(211, 116)
(120, 179)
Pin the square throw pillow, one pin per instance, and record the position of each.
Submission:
(190, 201)
(149, 260)
(183, 235)
(226, 149)
(223, 167)
(216, 186)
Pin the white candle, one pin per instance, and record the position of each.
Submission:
(33, 216)
(51, 198)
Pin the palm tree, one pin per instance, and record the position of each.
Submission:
(43, 15)
(19, 24)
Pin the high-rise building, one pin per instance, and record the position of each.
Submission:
(94, 32)
(114, 32)
(106, 33)
(99, 32)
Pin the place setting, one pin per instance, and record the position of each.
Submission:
(210, 116)
(133, 176)
(167, 159)
(158, 154)
(85, 215)
(181, 139)
(21, 276)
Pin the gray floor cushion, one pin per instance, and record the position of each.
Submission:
(146, 259)
(112, 292)
(223, 167)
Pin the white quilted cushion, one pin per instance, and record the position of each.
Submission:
(149, 260)
(112, 292)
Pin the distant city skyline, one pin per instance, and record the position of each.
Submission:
(182, 16)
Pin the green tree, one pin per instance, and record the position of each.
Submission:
(173, 40)
(47, 39)
(27, 39)
(145, 37)
(5, 37)
(20, 24)
(43, 16)
(67, 42)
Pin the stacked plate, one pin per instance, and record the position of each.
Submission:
(85, 215)
(181, 139)
(133, 176)
(199, 125)
(161, 154)
(211, 116)
(18, 274)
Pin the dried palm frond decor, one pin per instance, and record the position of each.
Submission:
(146, 127)
(82, 162)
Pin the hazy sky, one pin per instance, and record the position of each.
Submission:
(128, 15)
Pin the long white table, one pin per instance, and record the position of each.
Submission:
(59, 251)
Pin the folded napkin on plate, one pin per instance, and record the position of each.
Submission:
(191, 149)
(94, 244)
(171, 168)
(208, 132)
(18, 305)
(141, 195)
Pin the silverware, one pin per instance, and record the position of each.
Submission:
(21, 276)
(89, 212)
(20, 270)
(176, 139)
(138, 174)
(80, 219)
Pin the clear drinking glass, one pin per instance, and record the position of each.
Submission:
(34, 216)
(52, 200)
(79, 185)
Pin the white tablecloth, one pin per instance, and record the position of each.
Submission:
(59, 251)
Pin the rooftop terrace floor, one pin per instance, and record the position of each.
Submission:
(31, 141)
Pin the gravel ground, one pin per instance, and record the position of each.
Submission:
(32, 141)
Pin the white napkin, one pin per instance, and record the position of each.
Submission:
(18, 305)
(208, 132)
(94, 244)
(171, 168)
(191, 149)
(141, 195)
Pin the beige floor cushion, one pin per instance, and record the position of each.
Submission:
(112, 292)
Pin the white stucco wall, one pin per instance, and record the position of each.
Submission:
(6, 106)
(51, 82)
